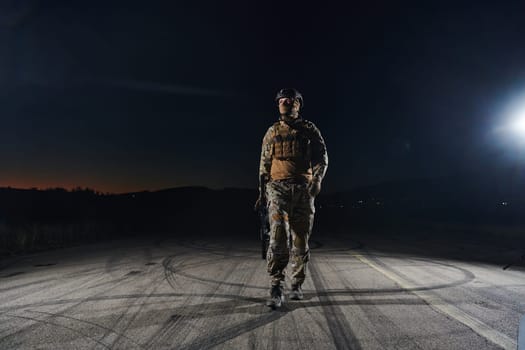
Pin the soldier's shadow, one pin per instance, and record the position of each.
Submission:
(258, 314)
(237, 304)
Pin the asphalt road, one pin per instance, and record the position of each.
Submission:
(166, 293)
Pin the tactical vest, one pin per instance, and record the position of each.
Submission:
(290, 142)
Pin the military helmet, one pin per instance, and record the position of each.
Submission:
(290, 93)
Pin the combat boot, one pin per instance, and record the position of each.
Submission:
(297, 292)
(276, 297)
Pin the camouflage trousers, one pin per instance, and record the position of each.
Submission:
(291, 215)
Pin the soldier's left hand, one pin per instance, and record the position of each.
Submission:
(257, 205)
(314, 188)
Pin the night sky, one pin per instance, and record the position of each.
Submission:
(151, 95)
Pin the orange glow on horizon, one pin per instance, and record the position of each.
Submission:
(69, 185)
(22, 184)
(43, 186)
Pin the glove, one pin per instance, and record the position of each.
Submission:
(258, 203)
(262, 198)
(314, 187)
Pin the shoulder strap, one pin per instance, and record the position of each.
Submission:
(276, 126)
(304, 126)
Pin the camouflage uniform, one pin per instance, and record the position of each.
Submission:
(293, 157)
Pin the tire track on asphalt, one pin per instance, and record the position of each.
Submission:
(143, 297)
(62, 279)
(474, 294)
(66, 283)
(27, 284)
(221, 335)
(170, 325)
(142, 302)
(81, 301)
(77, 301)
(179, 271)
(87, 323)
(59, 285)
(120, 296)
(434, 301)
(229, 272)
(297, 331)
(46, 322)
(487, 294)
(382, 323)
(338, 325)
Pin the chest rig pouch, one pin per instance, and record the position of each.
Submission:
(290, 142)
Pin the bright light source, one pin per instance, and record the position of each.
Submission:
(515, 113)
(518, 125)
(510, 131)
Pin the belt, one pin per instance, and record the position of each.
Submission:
(298, 181)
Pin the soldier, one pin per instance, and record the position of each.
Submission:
(292, 166)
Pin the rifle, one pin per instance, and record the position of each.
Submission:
(264, 229)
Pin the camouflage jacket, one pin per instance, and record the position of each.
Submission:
(291, 150)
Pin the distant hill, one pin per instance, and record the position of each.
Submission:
(32, 219)
(485, 194)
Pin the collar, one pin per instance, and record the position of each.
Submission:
(289, 120)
